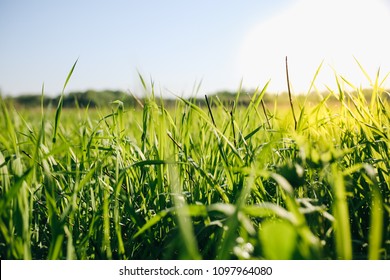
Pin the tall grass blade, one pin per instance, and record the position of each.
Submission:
(376, 218)
(191, 250)
(364, 71)
(376, 226)
(290, 96)
(60, 103)
(341, 215)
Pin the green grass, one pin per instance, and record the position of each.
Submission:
(190, 182)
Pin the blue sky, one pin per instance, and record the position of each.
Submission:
(176, 43)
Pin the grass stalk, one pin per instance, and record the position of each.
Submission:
(290, 96)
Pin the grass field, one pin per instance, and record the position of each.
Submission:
(216, 182)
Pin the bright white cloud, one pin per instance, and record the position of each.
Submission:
(309, 32)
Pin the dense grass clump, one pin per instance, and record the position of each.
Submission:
(221, 181)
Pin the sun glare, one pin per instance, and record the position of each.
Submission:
(309, 32)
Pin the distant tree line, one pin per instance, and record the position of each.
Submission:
(89, 98)
(101, 99)
(104, 98)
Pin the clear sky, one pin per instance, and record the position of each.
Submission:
(179, 43)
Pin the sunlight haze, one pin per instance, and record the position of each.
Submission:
(310, 32)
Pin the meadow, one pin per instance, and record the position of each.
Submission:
(222, 181)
